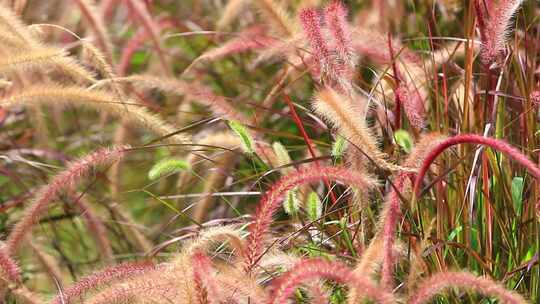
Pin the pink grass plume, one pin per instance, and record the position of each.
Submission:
(391, 214)
(340, 32)
(413, 104)
(9, 267)
(204, 277)
(95, 280)
(307, 270)
(389, 229)
(444, 280)
(310, 19)
(271, 201)
(496, 144)
(494, 25)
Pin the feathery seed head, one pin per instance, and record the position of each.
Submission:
(203, 274)
(336, 18)
(310, 19)
(271, 201)
(413, 104)
(97, 279)
(285, 285)
(98, 100)
(282, 155)
(443, 280)
(314, 206)
(494, 29)
(243, 134)
(8, 266)
(391, 214)
(277, 16)
(339, 146)
(291, 204)
(350, 122)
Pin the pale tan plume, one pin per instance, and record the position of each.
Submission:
(15, 28)
(11, 23)
(98, 100)
(210, 237)
(230, 12)
(194, 91)
(350, 123)
(277, 16)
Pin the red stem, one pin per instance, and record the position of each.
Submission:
(308, 141)
(397, 110)
(496, 144)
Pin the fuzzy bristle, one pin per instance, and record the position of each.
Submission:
(350, 123)
(9, 268)
(278, 17)
(106, 276)
(443, 280)
(494, 27)
(99, 100)
(340, 31)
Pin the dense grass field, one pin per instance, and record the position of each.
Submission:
(269, 151)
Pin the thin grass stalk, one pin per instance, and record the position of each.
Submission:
(48, 193)
(139, 9)
(214, 180)
(95, 21)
